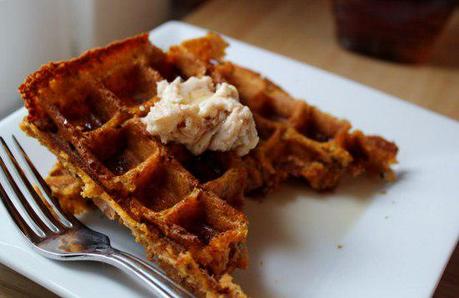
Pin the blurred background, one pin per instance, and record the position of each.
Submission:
(407, 48)
(420, 37)
(420, 32)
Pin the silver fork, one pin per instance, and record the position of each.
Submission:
(60, 236)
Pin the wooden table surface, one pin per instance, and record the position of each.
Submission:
(303, 30)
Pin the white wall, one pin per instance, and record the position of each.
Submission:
(34, 32)
(98, 22)
(31, 33)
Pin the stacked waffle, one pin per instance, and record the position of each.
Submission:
(183, 208)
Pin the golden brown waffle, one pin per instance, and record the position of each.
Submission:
(297, 140)
(67, 188)
(87, 112)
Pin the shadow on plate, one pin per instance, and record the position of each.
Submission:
(273, 221)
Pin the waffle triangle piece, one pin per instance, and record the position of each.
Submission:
(86, 111)
(182, 208)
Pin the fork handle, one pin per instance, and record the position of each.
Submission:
(157, 282)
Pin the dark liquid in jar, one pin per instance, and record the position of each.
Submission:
(399, 30)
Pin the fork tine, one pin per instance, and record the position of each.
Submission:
(37, 198)
(51, 199)
(28, 208)
(17, 217)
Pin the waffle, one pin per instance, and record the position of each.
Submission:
(86, 111)
(183, 208)
(67, 189)
(297, 139)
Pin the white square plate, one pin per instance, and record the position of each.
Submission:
(366, 239)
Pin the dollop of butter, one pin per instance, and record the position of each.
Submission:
(202, 116)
